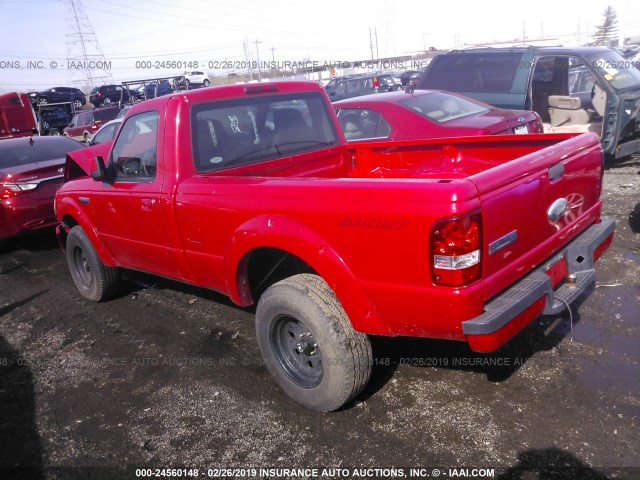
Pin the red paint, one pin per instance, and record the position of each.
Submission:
(360, 215)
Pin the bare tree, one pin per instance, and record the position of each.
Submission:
(607, 32)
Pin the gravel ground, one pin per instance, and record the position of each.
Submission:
(170, 376)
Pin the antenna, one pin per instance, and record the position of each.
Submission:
(85, 60)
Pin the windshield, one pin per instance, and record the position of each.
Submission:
(620, 73)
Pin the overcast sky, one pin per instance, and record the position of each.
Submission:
(213, 32)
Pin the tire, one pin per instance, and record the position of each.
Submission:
(309, 345)
(86, 137)
(77, 104)
(42, 101)
(206, 83)
(106, 101)
(187, 83)
(92, 278)
(54, 132)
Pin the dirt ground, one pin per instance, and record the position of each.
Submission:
(170, 376)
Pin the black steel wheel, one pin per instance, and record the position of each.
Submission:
(92, 278)
(297, 351)
(309, 345)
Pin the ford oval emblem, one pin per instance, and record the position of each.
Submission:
(557, 210)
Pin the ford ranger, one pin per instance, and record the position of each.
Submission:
(252, 191)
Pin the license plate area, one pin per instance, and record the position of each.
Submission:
(521, 129)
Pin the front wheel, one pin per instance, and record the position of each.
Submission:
(309, 345)
(206, 83)
(92, 278)
(77, 104)
(54, 132)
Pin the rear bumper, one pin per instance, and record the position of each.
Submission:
(21, 214)
(510, 311)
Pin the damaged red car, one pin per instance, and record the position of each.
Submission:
(31, 171)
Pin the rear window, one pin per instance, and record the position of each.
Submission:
(442, 107)
(472, 72)
(24, 152)
(230, 133)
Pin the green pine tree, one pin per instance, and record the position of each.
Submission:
(608, 30)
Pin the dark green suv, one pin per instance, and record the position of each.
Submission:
(585, 89)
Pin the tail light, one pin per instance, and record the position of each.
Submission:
(376, 82)
(8, 190)
(535, 126)
(456, 251)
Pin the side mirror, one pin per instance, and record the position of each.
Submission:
(100, 173)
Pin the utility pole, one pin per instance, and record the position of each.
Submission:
(258, 58)
(273, 56)
(375, 30)
(371, 43)
(246, 57)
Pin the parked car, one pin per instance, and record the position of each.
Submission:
(428, 114)
(17, 118)
(108, 94)
(153, 89)
(31, 170)
(406, 77)
(357, 85)
(193, 78)
(123, 112)
(84, 124)
(58, 95)
(54, 118)
(540, 79)
(107, 132)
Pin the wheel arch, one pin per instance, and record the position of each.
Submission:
(70, 216)
(293, 238)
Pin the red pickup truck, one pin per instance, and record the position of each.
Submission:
(252, 191)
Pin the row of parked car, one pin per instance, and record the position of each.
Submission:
(107, 94)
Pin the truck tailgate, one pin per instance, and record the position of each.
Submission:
(534, 205)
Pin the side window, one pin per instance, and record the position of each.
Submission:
(85, 119)
(341, 87)
(134, 153)
(363, 123)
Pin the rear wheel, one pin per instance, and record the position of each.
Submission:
(54, 132)
(309, 345)
(106, 101)
(92, 278)
(42, 101)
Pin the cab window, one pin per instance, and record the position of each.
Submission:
(134, 155)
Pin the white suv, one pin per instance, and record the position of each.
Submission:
(195, 77)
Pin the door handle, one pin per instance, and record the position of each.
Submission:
(148, 203)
